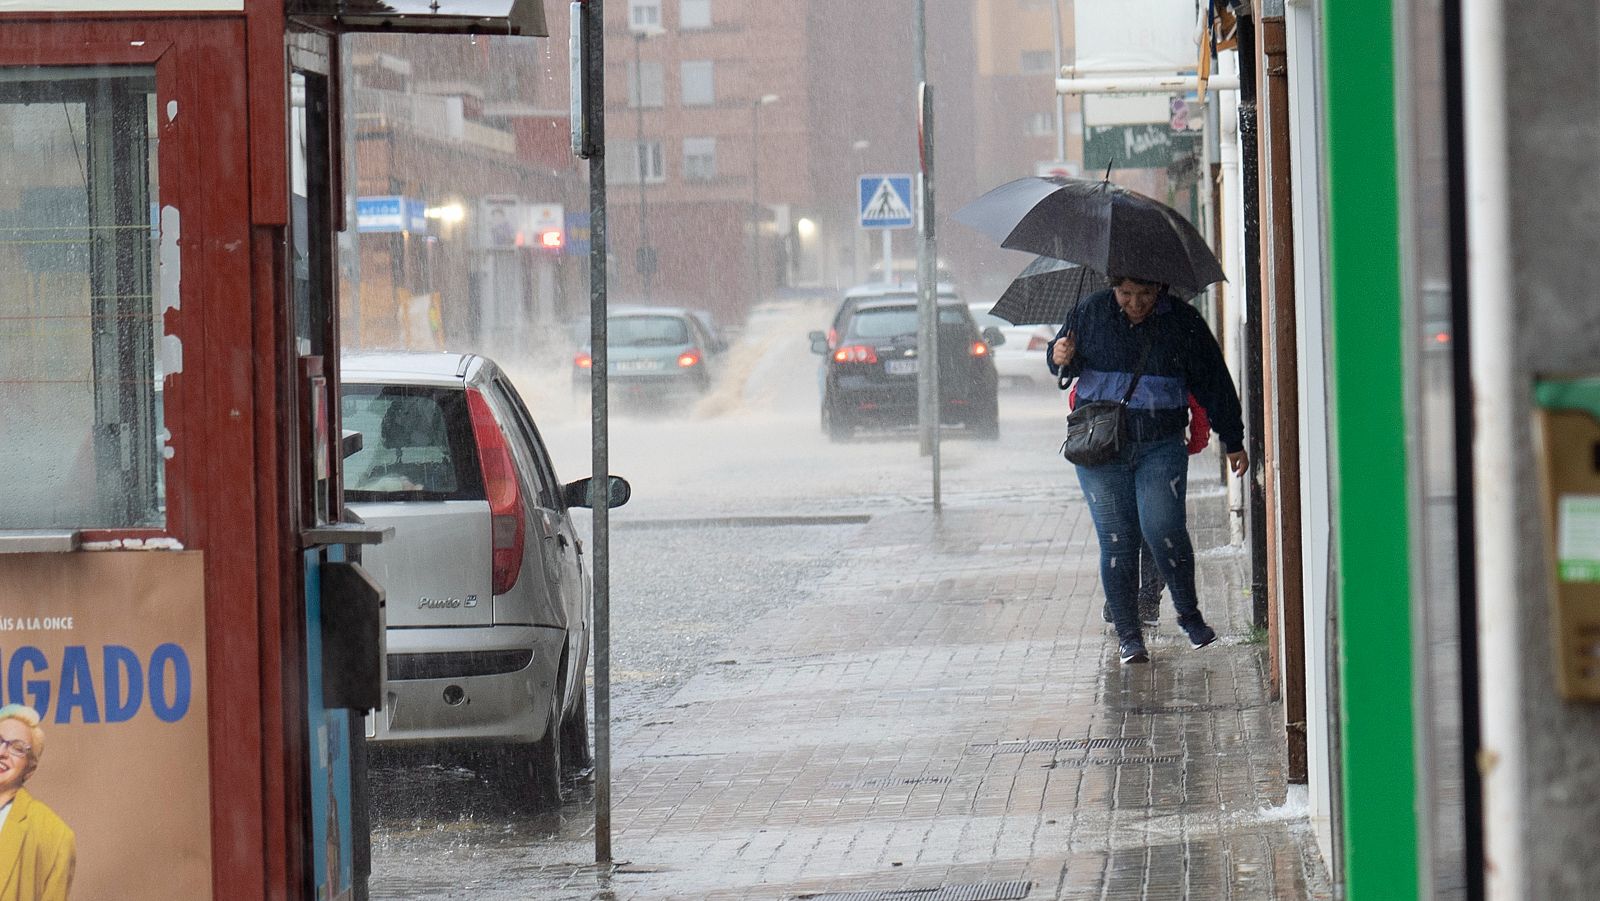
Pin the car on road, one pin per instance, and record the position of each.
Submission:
(657, 352)
(488, 590)
(869, 292)
(870, 375)
(1020, 360)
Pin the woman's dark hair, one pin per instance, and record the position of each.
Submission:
(1115, 280)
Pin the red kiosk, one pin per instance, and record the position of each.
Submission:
(179, 598)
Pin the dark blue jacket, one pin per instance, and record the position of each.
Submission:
(1184, 359)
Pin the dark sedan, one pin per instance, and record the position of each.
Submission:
(871, 370)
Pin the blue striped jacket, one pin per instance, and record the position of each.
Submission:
(1184, 359)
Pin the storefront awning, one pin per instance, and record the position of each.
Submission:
(514, 17)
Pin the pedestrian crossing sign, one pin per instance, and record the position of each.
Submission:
(885, 201)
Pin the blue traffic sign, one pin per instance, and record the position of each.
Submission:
(885, 201)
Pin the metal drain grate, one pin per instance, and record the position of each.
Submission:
(888, 782)
(1029, 745)
(977, 891)
(1194, 708)
(1081, 763)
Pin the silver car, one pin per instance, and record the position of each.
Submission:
(489, 597)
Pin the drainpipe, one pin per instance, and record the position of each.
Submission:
(1492, 329)
(1228, 244)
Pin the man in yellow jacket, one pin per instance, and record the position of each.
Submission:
(37, 850)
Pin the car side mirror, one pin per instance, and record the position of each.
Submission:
(993, 336)
(819, 343)
(581, 493)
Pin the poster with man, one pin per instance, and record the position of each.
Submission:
(103, 734)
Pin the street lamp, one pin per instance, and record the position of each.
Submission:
(755, 187)
(645, 261)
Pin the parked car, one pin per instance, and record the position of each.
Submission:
(488, 592)
(870, 376)
(655, 351)
(1020, 360)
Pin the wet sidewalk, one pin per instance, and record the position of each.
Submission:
(944, 718)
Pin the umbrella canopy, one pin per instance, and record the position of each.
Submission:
(1045, 292)
(1096, 224)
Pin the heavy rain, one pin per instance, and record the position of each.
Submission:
(934, 450)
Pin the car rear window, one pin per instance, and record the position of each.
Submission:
(417, 444)
(892, 322)
(646, 331)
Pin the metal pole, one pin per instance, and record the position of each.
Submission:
(642, 262)
(755, 197)
(593, 30)
(888, 257)
(927, 329)
(1061, 99)
(928, 273)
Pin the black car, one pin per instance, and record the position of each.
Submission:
(870, 376)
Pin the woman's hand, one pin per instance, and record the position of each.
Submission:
(1239, 462)
(1064, 349)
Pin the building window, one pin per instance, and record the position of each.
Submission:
(697, 83)
(628, 161)
(644, 15)
(699, 159)
(1036, 62)
(694, 14)
(1040, 124)
(646, 79)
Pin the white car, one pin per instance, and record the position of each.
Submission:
(488, 589)
(1020, 360)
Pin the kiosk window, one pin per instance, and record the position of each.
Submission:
(80, 427)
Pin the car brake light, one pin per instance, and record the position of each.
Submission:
(689, 358)
(980, 349)
(583, 361)
(1037, 342)
(855, 353)
(504, 493)
(833, 336)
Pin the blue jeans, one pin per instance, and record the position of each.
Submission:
(1141, 496)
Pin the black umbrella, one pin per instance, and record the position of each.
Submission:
(1096, 224)
(1045, 292)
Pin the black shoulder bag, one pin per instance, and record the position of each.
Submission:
(1097, 430)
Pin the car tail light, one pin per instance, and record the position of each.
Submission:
(833, 336)
(856, 353)
(583, 361)
(505, 495)
(689, 358)
(980, 349)
(1038, 342)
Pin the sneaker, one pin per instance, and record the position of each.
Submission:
(1151, 615)
(1201, 635)
(1131, 650)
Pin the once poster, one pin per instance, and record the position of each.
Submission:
(109, 648)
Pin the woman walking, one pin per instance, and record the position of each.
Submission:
(1137, 330)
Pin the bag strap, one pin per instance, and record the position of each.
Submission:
(1138, 371)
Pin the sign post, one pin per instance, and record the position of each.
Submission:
(885, 204)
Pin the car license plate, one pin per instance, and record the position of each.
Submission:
(636, 365)
(900, 367)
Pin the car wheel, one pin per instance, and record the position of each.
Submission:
(532, 772)
(575, 733)
(833, 424)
